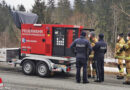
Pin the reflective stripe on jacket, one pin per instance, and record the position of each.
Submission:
(120, 54)
(92, 45)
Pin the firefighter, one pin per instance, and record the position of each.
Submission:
(81, 48)
(92, 71)
(120, 55)
(100, 49)
(126, 48)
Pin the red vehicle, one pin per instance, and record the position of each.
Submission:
(45, 48)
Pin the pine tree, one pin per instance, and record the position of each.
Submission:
(21, 8)
(40, 9)
(63, 11)
(49, 12)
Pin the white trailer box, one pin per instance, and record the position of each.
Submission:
(7, 54)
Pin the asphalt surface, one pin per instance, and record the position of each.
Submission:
(14, 79)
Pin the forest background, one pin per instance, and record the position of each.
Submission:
(110, 17)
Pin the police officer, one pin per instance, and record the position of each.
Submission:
(81, 48)
(92, 71)
(100, 49)
(126, 48)
(119, 54)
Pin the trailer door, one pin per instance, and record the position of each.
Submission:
(71, 35)
(62, 39)
(37, 40)
(58, 41)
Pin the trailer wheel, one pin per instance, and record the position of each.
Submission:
(42, 69)
(28, 67)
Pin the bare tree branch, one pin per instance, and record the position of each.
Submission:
(122, 10)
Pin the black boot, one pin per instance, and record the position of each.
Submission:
(126, 83)
(89, 76)
(78, 81)
(84, 82)
(120, 77)
(97, 81)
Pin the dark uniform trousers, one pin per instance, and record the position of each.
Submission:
(81, 62)
(100, 68)
(82, 48)
(100, 49)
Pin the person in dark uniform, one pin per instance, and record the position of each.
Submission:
(100, 49)
(81, 47)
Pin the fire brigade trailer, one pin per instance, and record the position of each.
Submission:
(45, 48)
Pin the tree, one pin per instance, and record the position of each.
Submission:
(63, 11)
(21, 8)
(40, 9)
(89, 11)
(79, 6)
(7, 35)
(49, 11)
(51, 4)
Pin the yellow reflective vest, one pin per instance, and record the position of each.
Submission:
(120, 54)
(92, 45)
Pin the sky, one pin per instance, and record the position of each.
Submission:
(27, 3)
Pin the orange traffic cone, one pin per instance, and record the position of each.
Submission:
(1, 83)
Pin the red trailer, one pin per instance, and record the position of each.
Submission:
(45, 48)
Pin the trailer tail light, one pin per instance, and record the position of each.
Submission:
(68, 69)
(68, 57)
(14, 60)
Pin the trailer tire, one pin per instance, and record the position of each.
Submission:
(28, 67)
(42, 69)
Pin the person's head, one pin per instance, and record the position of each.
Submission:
(120, 36)
(101, 36)
(92, 34)
(128, 36)
(83, 34)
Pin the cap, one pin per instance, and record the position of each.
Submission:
(83, 34)
(92, 34)
(101, 36)
(121, 34)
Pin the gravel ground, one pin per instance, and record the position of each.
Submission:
(14, 79)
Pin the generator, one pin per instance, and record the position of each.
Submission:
(48, 39)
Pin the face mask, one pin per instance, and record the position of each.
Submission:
(89, 35)
(127, 38)
(118, 38)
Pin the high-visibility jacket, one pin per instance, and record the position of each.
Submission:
(127, 50)
(118, 53)
(92, 45)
